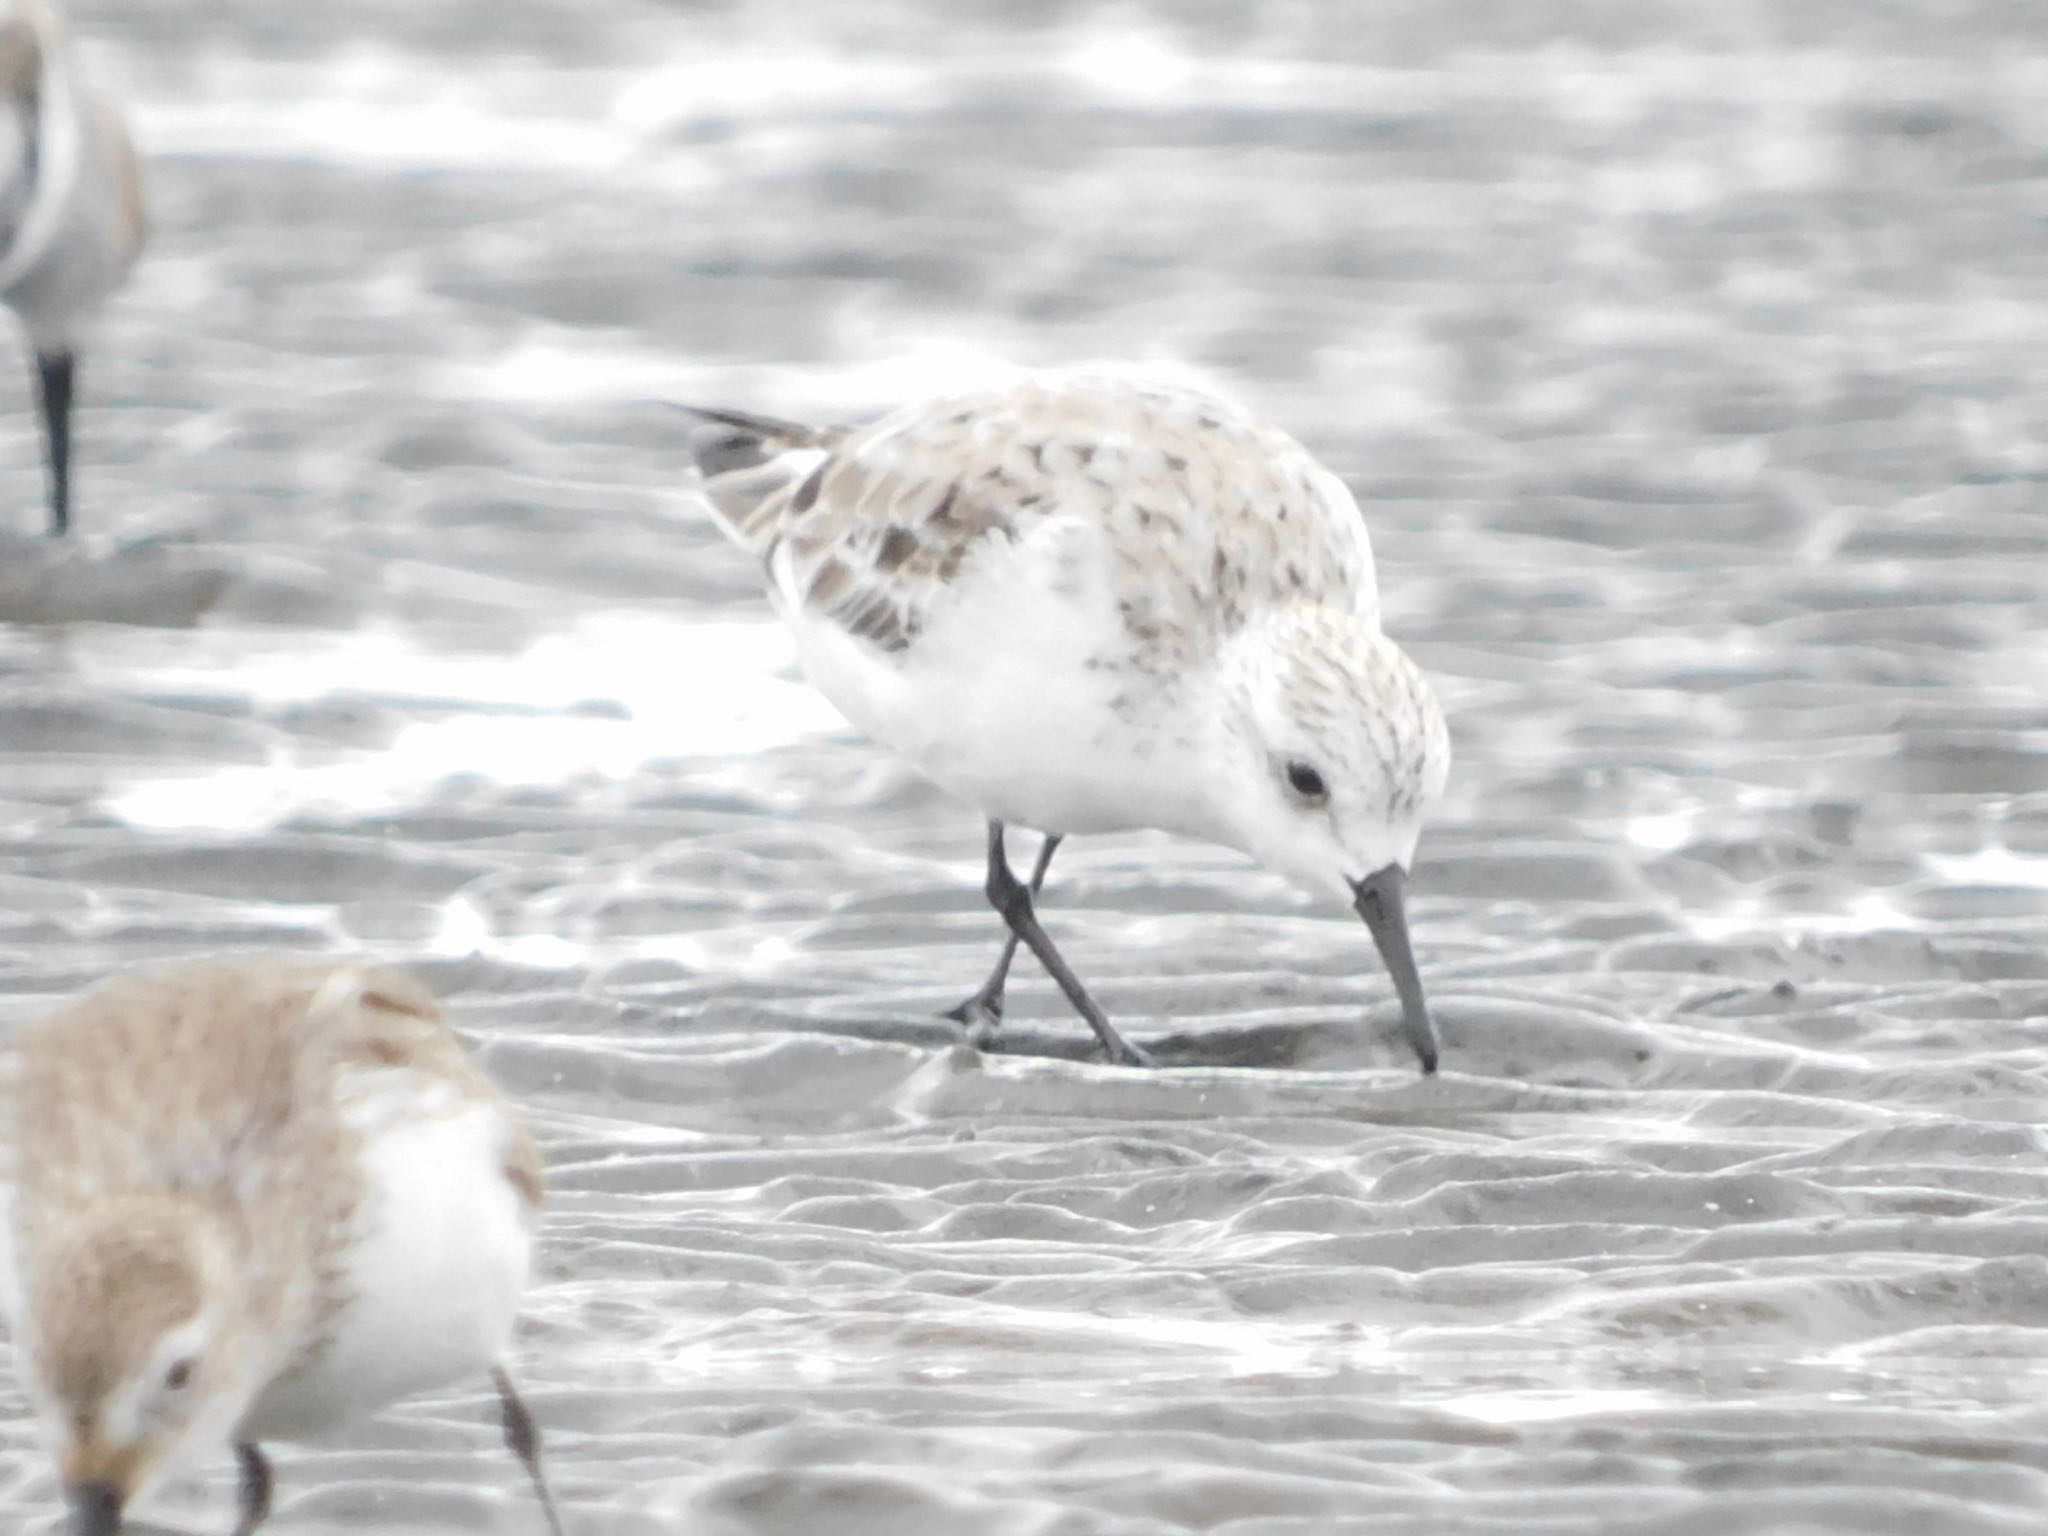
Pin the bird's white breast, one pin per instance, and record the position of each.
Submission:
(438, 1258)
(1013, 698)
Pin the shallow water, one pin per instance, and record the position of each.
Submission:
(1687, 363)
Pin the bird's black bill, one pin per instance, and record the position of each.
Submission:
(95, 1509)
(54, 371)
(1380, 904)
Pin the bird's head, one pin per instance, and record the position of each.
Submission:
(1337, 749)
(130, 1355)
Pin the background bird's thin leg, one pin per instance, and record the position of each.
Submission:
(54, 371)
(983, 1011)
(523, 1436)
(1009, 896)
(255, 1487)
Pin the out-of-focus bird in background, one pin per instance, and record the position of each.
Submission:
(71, 215)
(254, 1201)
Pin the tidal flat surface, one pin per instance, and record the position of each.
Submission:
(1687, 362)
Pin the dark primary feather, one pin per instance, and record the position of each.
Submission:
(742, 459)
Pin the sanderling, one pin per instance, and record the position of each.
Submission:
(255, 1201)
(71, 219)
(1086, 604)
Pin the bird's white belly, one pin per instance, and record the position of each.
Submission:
(434, 1276)
(1005, 702)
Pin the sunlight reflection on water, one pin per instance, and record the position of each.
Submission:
(671, 689)
(1548, 1406)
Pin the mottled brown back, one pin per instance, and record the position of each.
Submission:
(1208, 514)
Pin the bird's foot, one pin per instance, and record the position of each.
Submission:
(1119, 1051)
(980, 1015)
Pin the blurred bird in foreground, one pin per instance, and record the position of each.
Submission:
(254, 1201)
(71, 220)
(1088, 604)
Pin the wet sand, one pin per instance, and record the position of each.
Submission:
(1687, 366)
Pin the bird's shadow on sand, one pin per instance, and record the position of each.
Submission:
(1291, 1045)
(1505, 1041)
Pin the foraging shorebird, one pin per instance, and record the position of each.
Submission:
(1088, 604)
(254, 1201)
(71, 220)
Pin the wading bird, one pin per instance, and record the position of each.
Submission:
(254, 1201)
(1090, 603)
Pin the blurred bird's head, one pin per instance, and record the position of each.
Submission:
(131, 1355)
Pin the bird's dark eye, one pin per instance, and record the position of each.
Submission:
(1303, 779)
(179, 1376)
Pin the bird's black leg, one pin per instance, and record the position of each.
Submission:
(254, 1506)
(1011, 897)
(983, 1012)
(523, 1437)
(54, 372)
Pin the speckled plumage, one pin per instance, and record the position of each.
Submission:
(198, 1148)
(1095, 602)
(1206, 513)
